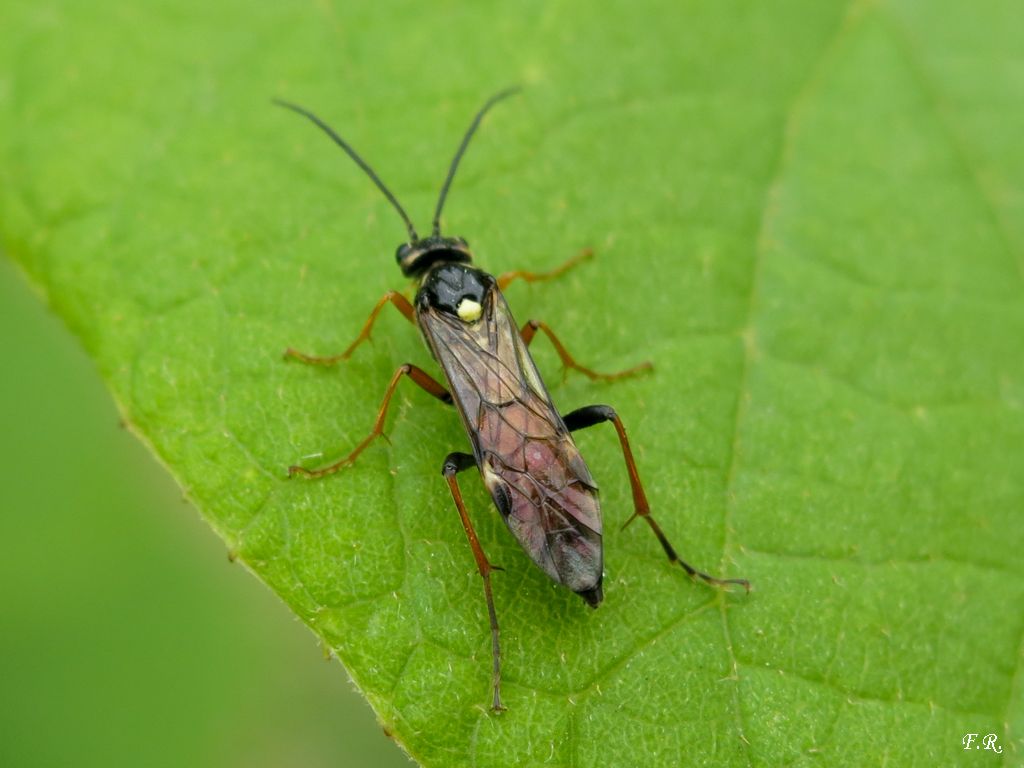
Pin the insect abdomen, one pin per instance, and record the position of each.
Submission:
(549, 502)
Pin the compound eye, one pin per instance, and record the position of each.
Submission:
(402, 253)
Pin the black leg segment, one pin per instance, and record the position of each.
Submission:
(596, 414)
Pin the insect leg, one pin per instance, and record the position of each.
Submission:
(530, 329)
(596, 414)
(453, 464)
(401, 304)
(419, 376)
(533, 277)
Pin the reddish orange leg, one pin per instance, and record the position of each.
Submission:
(596, 414)
(401, 304)
(455, 463)
(533, 277)
(530, 329)
(419, 376)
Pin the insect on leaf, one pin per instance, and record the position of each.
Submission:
(807, 215)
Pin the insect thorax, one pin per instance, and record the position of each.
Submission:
(455, 288)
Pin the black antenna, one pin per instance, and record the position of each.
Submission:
(413, 237)
(462, 148)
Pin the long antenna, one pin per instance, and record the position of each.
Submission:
(462, 148)
(413, 237)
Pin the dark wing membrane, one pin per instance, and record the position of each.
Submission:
(527, 458)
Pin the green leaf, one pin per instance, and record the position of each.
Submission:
(809, 217)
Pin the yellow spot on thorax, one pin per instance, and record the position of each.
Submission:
(469, 310)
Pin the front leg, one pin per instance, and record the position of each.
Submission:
(394, 297)
(596, 414)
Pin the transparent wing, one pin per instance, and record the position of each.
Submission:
(527, 458)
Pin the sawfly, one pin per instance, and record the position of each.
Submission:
(522, 446)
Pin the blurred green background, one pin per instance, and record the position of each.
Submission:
(126, 636)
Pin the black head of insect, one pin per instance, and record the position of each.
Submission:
(419, 254)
